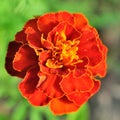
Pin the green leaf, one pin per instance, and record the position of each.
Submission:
(49, 115)
(35, 114)
(81, 114)
(3, 117)
(19, 112)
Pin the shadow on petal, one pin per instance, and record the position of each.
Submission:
(12, 49)
(29, 83)
(24, 58)
(50, 85)
(38, 98)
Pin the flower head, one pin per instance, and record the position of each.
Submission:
(58, 55)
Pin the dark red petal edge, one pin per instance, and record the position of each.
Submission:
(12, 49)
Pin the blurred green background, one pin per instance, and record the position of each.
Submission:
(102, 14)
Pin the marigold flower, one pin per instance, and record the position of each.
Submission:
(58, 55)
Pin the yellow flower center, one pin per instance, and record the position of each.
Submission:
(64, 53)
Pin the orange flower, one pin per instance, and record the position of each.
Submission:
(58, 55)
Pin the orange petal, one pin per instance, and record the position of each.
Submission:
(80, 68)
(89, 47)
(12, 49)
(46, 44)
(50, 85)
(32, 23)
(63, 29)
(24, 58)
(21, 36)
(38, 98)
(71, 83)
(64, 16)
(28, 88)
(33, 37)
(96, 87)
(62, 106)
(80, 21)
(47, 22)
(43, 56)
(100, 69)
(79, 97)
(29, 83)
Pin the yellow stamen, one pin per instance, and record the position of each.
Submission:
(69, 52)
(64, 53)
(53, 64)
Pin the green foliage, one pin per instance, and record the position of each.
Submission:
(35, 114)
(20, 111)
(45, 113)
(3, 117)
(81, 114)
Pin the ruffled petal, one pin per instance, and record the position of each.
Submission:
(49, 84)
(100, 69)
(29, 83)
(33, 37)
(24, 58)
(64, 17)
(33, 34)
(43, 56)
(21, 37)
(78, 97)
(32, 23)
(71, 83)
(46, 44)
(38, 98)
(47, 22)
(89, 47)
(96, 87)
(63, 31)
(80, 21)
(28, 88)
(62, 106)
(12, 49)
(80, 68)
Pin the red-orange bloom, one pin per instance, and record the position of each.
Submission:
(58, 55)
